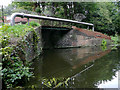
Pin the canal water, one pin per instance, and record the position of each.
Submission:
(89, 67)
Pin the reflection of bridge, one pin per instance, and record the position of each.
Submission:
(92, 58)
(87, 75)
(67, 63)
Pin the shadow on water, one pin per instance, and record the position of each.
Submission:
(87, 67)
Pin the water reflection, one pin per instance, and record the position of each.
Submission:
(110, 84)
(87, 67)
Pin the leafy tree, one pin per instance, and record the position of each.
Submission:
(104, 15)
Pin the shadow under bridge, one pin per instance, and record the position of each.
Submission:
(55, 37)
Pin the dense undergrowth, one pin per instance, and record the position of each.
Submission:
(15, 72)
(17, 30)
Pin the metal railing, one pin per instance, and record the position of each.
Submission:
(45, 18)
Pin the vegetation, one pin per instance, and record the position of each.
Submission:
(115, 39)
(55, 82)
(33, 24)
(104, 42)
(104, 45)
(15, 71)
(14, 31)
(51, 83)
(104, 15)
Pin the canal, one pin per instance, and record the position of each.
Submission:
(87, 67)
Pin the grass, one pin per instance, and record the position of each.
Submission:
(33, 24)
(16, 30)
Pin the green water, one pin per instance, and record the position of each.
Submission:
(89, 67)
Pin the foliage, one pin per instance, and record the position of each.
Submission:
(15, 31)
(115, 39)
(13, 68)
(103, 45)
(51, 83)
(104, 48)
(33, 24)
(104, 42)
(1, 24)
(55, 82)
(15, 71)
(4, 41)
(104, 15)
(0, 70)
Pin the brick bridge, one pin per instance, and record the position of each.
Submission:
(58, 37)
(61, 37)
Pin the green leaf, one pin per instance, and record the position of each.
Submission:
(49, 84)
(58, 85)
(55, 81)
(66, 82)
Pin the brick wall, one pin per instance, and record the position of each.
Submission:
(72, 38)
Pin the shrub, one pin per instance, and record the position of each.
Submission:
(33, 24)
(14, 70)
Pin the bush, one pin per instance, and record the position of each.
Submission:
(14, 70)
(33, 24)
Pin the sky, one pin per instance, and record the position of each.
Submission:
(5, 2)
